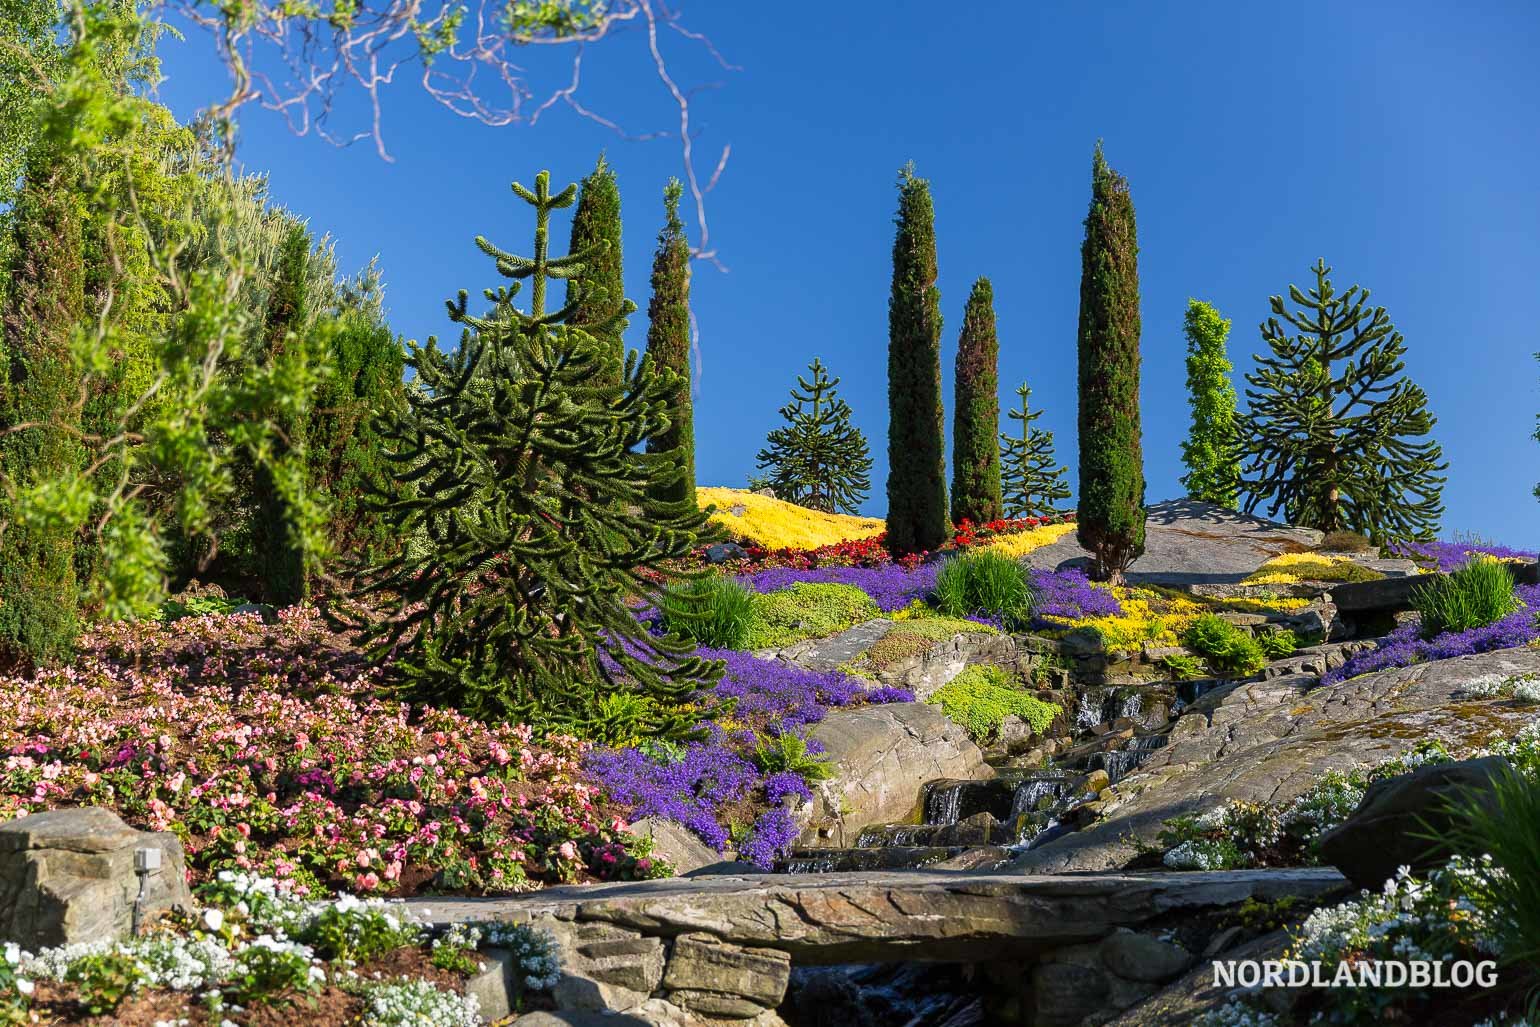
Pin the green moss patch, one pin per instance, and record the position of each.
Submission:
(806, 610)
(981, 697)
(914, 637)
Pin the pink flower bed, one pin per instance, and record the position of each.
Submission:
(264, 748)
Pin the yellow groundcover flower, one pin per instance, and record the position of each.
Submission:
(1292, 568)
(1021, 543)
(774, 524)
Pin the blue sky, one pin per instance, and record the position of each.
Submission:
(1397, 140)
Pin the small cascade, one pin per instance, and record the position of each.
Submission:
(943, 802)
(1105, 705)
(1030, 794)
(1119, 763)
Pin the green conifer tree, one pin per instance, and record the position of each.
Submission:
(668, 344)
(917, 507)
(537, 525)
(1211, 451)
(39, 415)
(600, 293)
(818, 459)
(1033, 484)
(976, 413)
(1336, 437)
(1110, 516)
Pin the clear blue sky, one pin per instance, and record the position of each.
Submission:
(1397, 140)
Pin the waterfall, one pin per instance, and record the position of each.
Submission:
(943, 803)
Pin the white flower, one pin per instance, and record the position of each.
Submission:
(24, 986)
(213, 919)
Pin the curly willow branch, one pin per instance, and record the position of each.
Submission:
(294, 58)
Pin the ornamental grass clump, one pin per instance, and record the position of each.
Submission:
(989, 584)
(714, 611)
(981, 697)
(1504, 825)
(1480, 593)
(1230, 650)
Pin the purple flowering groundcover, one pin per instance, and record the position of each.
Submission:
(890, 586)
(1451, 556)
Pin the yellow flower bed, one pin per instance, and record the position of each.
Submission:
(1149, 615)
(775, 524)
(1023, 542)
(1292, 568)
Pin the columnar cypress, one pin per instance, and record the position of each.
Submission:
(599, 292)
(1211, 451)
(976, 413)
(668, 344)
(278, 560)
(917, 509)
(1110, 515)
(39, 385)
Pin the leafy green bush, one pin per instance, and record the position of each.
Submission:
(105, 980)
(806, 610)
(1230, 651)
(787, 751)
(1181, 665)
(1276, 645)
(197, 606)
(1505, 827)
(981, 697)
(715, 611)
(264, 973)
(1474, 596)
(1344, 542)
(985, 583)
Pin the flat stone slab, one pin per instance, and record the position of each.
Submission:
(1192, 543)
(835, 651)
(946, 916)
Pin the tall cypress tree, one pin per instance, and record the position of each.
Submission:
(668, 344)
(917, 509)
(1033, 484)
(532, 502)
(597, 295)
(1211, 451)
(278, 558)
(818, 459)
(1110, 515)
(976, 413)
(39, 444)
(1336, 436)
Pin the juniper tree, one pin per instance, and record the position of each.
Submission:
(1110, 515)
(1211, 451)
(668, 344)
(818, 459)
(533, 505)
(917, 508)
(976, 413)
(1033, 485)
(596, 231)
(1336, 437)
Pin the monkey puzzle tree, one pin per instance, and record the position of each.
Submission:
(1211, 450)
(1110, 514)
(818, 459)
(917, 511)
(976, 413)
(532, 502)
(1033, 485)
(597, 297)
(1336, 437)
(668, 344)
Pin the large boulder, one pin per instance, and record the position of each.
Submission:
(1401, 820)
(67, 876)
(883, 757)
(1271, 740)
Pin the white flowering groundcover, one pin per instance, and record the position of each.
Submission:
(253, 943)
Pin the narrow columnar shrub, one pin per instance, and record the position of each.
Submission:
(917, 509)
(1230, 650)
(668, 346)
(982, 696)
(1211, 451)
(598, 294)
(1480, 593)
(713, 611)
(988, 584)
(1110, 512)
(976, 413)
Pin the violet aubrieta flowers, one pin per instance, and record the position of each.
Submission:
(890, 586)
(1069, 594)
(1451, 556)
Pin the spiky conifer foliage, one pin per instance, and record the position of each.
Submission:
(1336, 437)
(976, 413)
(596, 231)
(1033, 484)
(533, 505)
(1110, 514)
(39, 446)
(917, 508)
(818, 459)
(1211, 450)
(668, 344)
